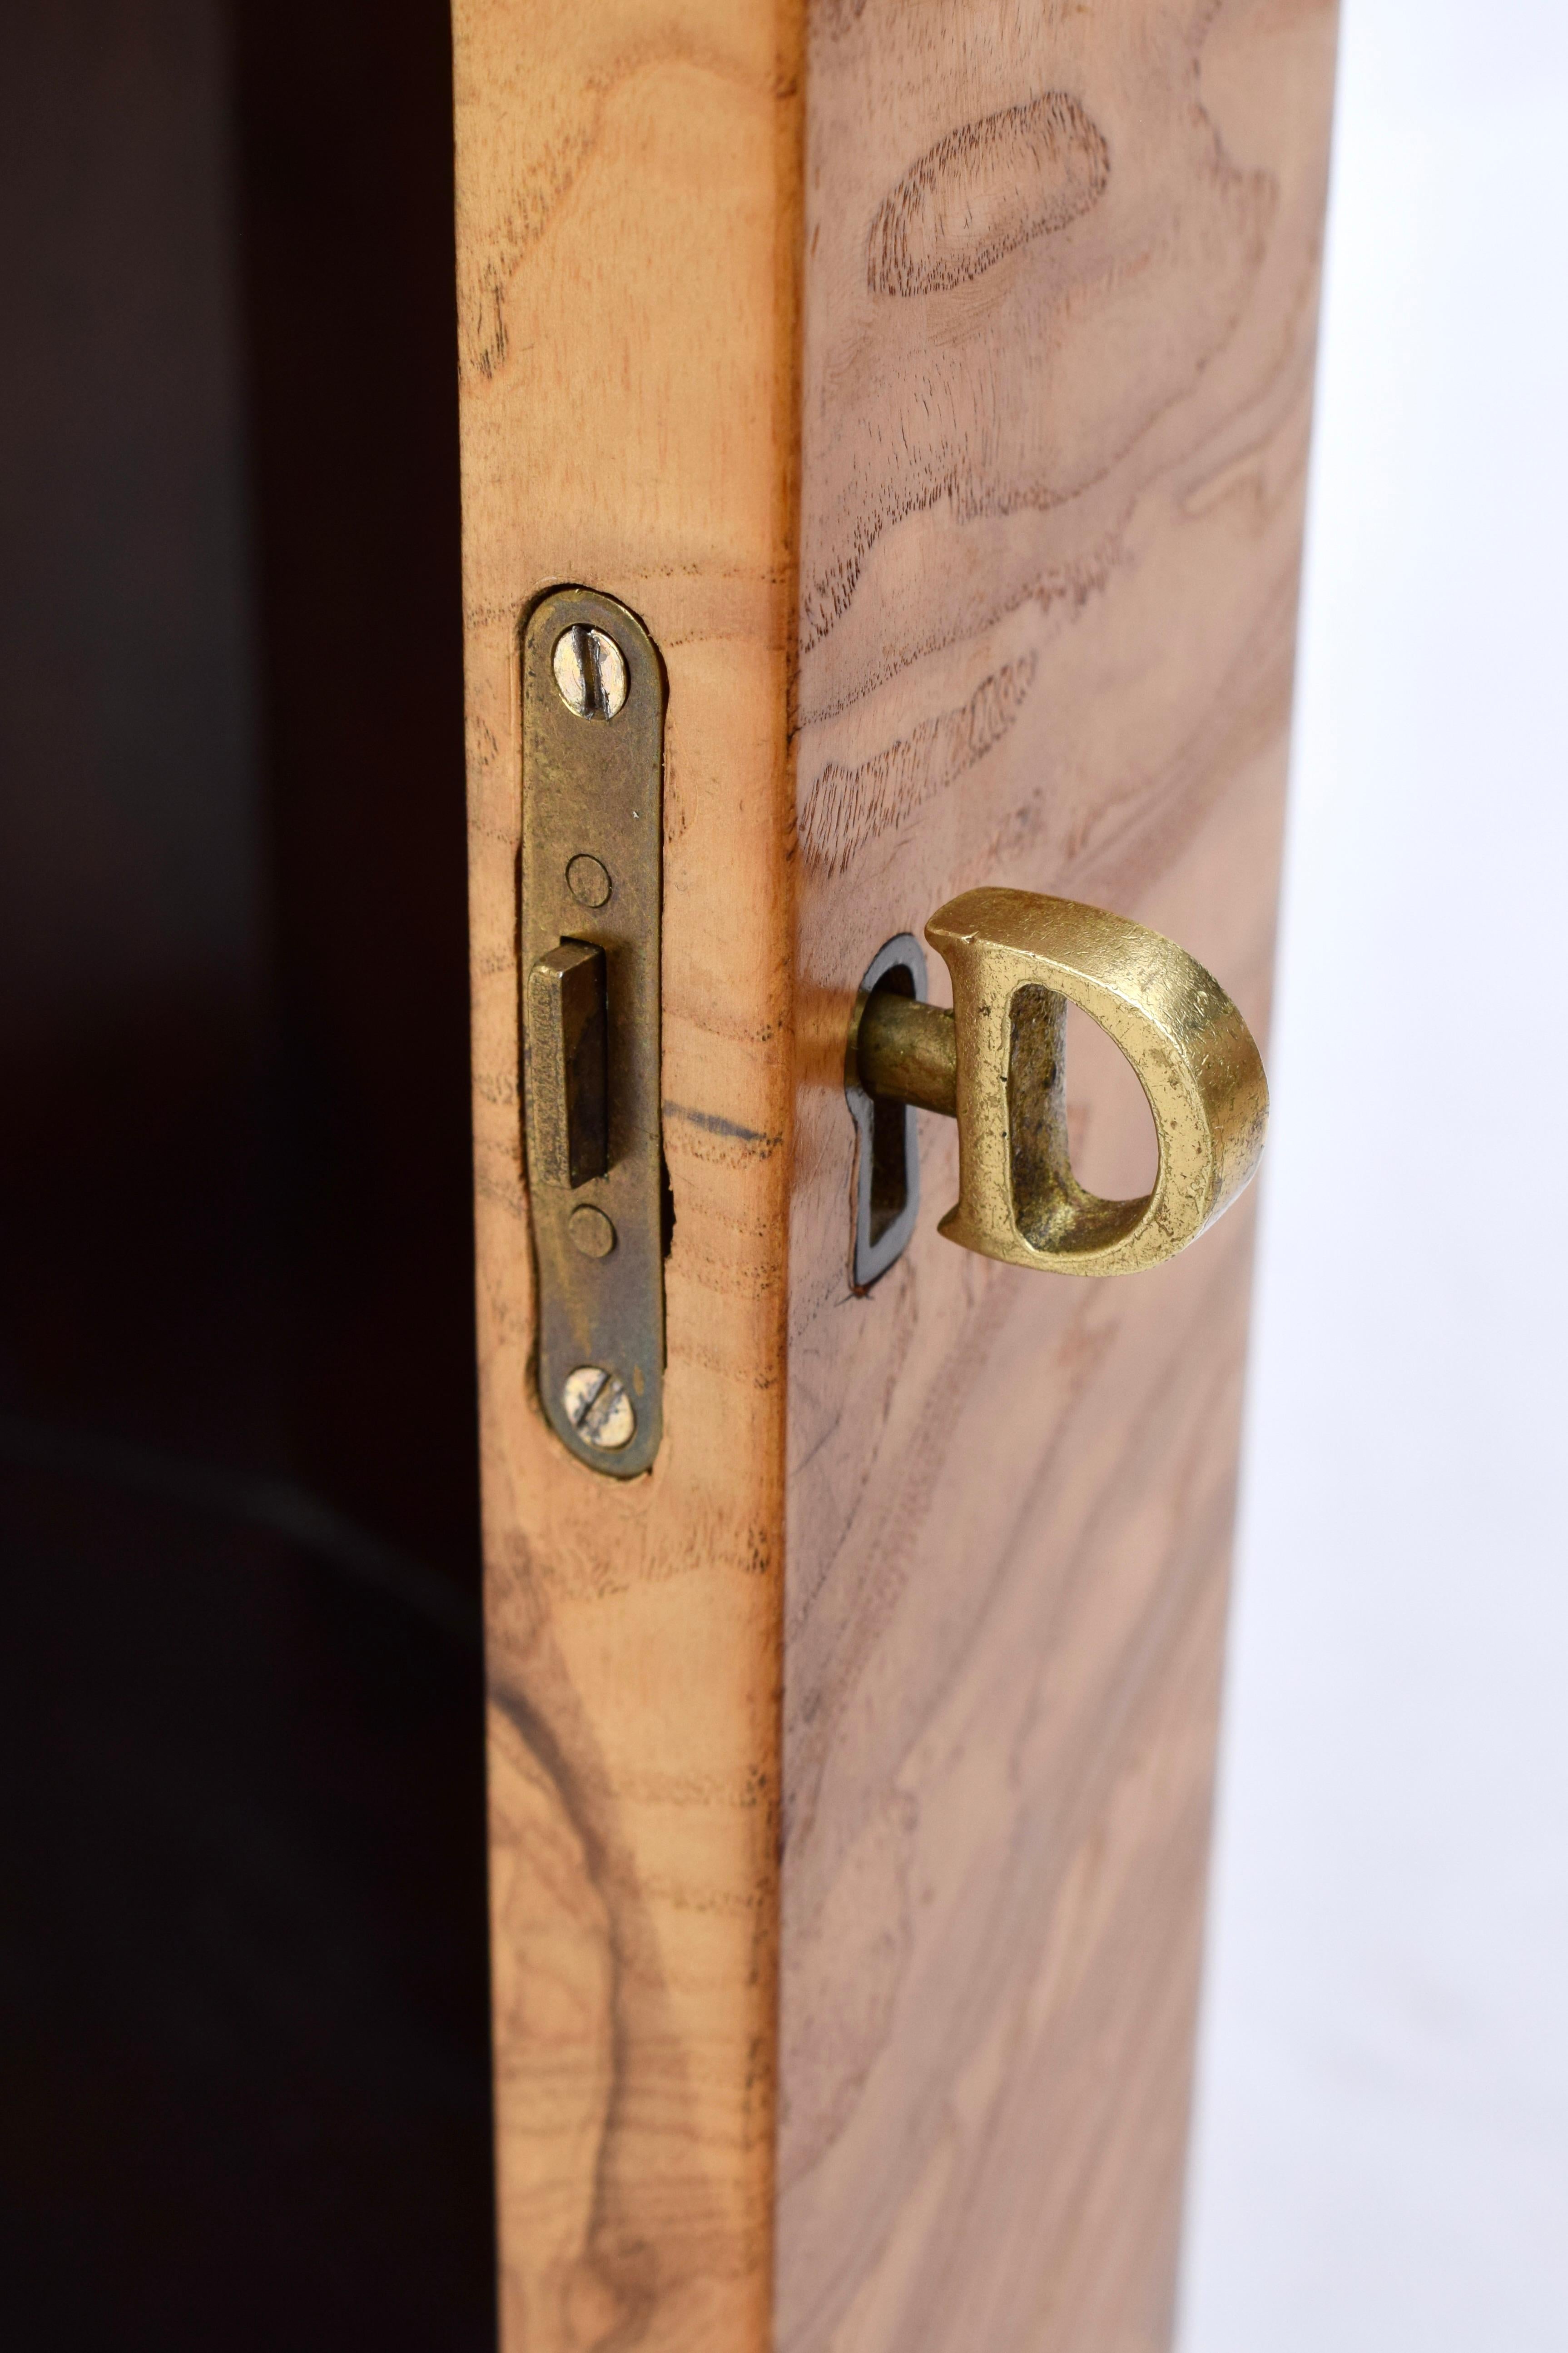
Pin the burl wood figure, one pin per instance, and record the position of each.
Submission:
(933, 379)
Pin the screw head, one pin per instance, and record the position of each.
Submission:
(598, 1407)
(591, 1232)
(590, 672)
(588, 882)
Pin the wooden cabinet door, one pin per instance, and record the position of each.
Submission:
(932, 378)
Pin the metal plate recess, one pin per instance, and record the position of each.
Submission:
(592, 780)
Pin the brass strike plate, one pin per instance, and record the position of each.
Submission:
(592, 787)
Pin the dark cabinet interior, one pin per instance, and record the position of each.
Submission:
(243, 1935)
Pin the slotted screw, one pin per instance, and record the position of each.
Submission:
(590, 672)
(598, 1407)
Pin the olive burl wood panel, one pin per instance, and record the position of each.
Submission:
(628, 212)
(1058, 310)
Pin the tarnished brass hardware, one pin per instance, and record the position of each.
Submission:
(588, 883)
(909, 1052)
(566, 1064)
(996, 1065)
(591, 1232)
(593, 779)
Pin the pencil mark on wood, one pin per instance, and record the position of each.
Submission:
(713, 1123)
(849, 808)
(984, 190)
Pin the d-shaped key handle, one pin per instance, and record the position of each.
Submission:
(996, 1065)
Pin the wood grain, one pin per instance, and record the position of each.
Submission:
(936, 386)
(1057, 367)
(627, 209)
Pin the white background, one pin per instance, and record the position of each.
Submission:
(1381, 2150)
